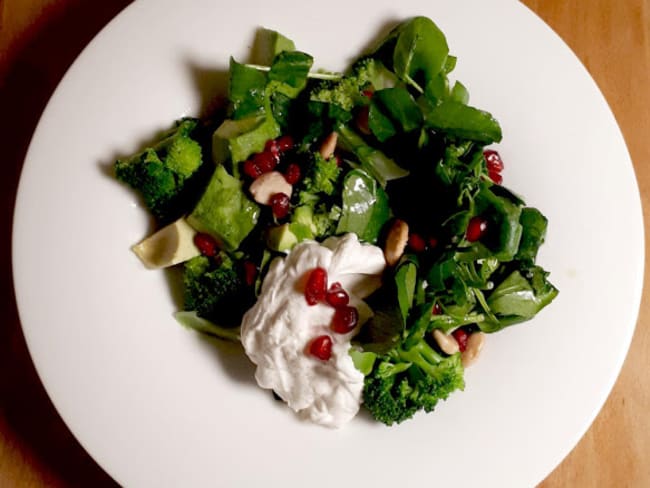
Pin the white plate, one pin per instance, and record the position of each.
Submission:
(156, 405)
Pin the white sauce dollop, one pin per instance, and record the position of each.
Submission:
(278, 329)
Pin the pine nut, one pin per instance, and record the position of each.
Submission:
(329, 145)
(447, 343)
(396, 240)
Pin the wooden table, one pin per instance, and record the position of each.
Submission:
(39, 39)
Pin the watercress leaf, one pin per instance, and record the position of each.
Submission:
(416, 331)
(459, 93)
(398, 106)
(375, 162)
(246, 90)
(365, 207)
(405, 281)
(533, 234)
(420, 51)
(504, 229)
(380, 124)
(289, 72)
(459, 120)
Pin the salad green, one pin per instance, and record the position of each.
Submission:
(409, 148)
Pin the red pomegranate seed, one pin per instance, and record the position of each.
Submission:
(433, 242)
(368, 93)
(417, 243)
(362, 120)
(345, 319)
(206, 244)
(280, 205)
(476, 229)
(316, 287)
(292, 174)
(251, 169)
(461, 337)
(337, 296)
(321, 347)
(437, 309)
(250, 272)
(272, 147)
(265, 161)
(339, 160)
(496, 177)
(493, 161)
(284, 143)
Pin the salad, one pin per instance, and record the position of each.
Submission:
(351, 229)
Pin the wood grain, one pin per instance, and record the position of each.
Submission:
(39, 40)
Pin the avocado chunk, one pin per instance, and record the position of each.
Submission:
(281, 238)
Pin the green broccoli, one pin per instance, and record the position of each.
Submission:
(162, 173)
(322, 178)
(315, 222)
(347, 92)
(405, 381)
(215, 289)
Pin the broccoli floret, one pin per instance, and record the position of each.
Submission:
(215, 290)
(322, 178)
(316, 222)
(162, 172)
(406, 381)
(347, 92)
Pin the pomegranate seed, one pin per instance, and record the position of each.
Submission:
(368, 93)
(337, 296)
(316, 287)
(345, 319)
(206, 244)
(493, 161)
(496, 177)
(251, 169)
(321, 347)
(461, 337)
(437, 309)
(280, 205)
(284, 143)
(476, 229)
(292, 174)
(416, 243)
(362, 120)
(272, 147)
(433, 242)
(339, 161)
(265, 161)
(250, 272)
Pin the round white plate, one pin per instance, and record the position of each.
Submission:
(157, 405)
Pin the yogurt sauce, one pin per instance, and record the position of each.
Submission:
(277, 330)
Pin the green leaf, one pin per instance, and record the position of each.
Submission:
(459, 120)
(459, 93)
(375, 162)
(420, 51)
(288, 73)
(519, 298)
(246, 90)
(405, 281)
(504, 229)
(393, 109)
(534, 232)
(365, 206)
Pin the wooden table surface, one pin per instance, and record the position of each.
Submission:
(39, 39)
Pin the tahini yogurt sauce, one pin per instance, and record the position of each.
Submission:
(277, 330)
